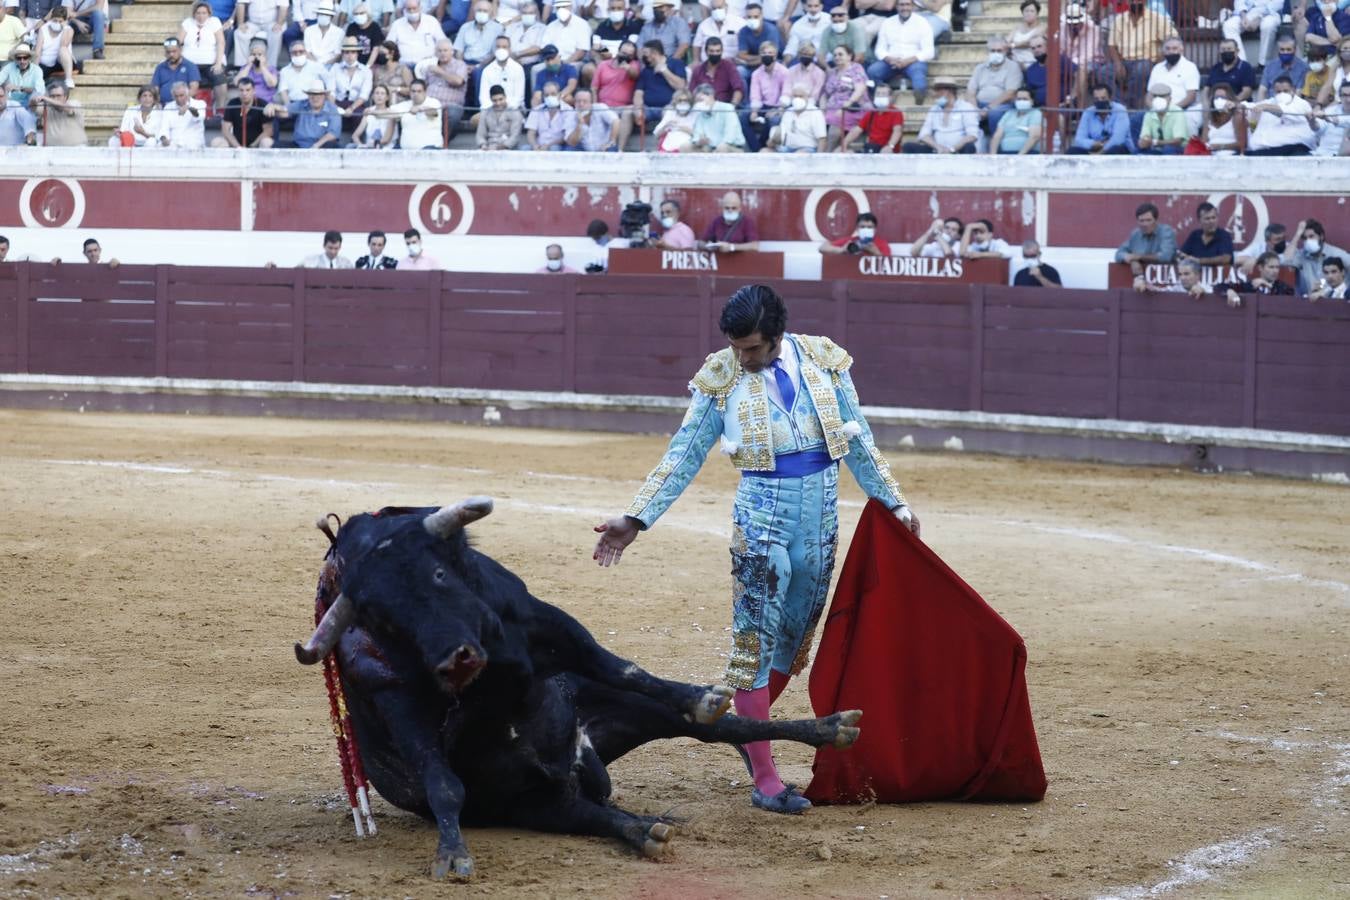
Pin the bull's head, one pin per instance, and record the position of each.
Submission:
(411, 589)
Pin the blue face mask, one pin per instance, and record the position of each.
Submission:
(941, 103)
(1286, 58)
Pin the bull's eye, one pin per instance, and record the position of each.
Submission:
(439, 575)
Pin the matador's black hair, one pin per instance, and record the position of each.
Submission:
(754, 308)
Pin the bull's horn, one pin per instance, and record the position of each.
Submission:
(326, 634)
(449, 519)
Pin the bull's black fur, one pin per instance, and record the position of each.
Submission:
(526, 742)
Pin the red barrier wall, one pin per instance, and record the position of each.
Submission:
(1273, 363)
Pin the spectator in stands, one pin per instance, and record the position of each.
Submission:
(657, 83)
(1036, 77)
(89, 17)
(808, 69)
(1084, 49)
(93, 254)
(675, 234)
(862, 242)
(1287, 64)
(1253, 15)
(1309, 252)
(18, 126)
(375, 259)
(416, 34)
(457, 13)
(555, 72)
(375, 131)
(623, 23)
(419, 126)
(258, 20)
(720, 73)
(388, 71)
(499, 125)
(1225, 128)
(1030, 28)
(1319, 76)
(614, 82)
(243, 123)
(295, 79)
(550, 123)
(668, 27)
(1182, 77)
(1135, 44)
(1105, 128)
(1033, 271)
(1190, 281)
(140, 122)
(751, 39)
(720, 23)
(21, 79)
(503, 72)
(808, 29)
(553, 253)
(1019, 131)
(323, 39)
(259, 71)
(1283, 124)
(352, 83)
(942, 239)
(1339, 75)
(872, 15)
(1266, 280)
(993, 84)
(844, 31)
(801, 129)
(880, 129)
(978, 242)
(597, 126)
(1275, 242)
(769, 96)
(952, 124)
(717, 129)
(674, 132)
(368, 32)
(478, 38)
(318, 123)
(417, 259)
(732, 231)
(52, 46)
(1149, 242)
(1332, 286)
(1320, 23)
(13, 31)
(1333, 126)
(182, 122)
(526, 34)
(1208, 245)
(331, 257)
(203, 44)
(4, 249)
(904, 48)
(571, 34)
(304, 13)
(1165, 130)
(844, 96)
(447, 79)
(1233, 71)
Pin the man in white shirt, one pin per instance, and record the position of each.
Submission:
(258, 19)
(415, 33)
(802, 128)
(941, 240)
(526, 34)
(1182, 76)
(1333, 126)
(183, 123)
(1283, 123)
(809, 29)
(331, 257)
(722, 23)
(300, 74)
(570, 34)
(505, 71)
(979, 242)
(419, 119)
(904, 48)
(1254, 15)
(952, 124)
(323, 39)
(352, 82)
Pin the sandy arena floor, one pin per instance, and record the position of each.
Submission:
(1188, 671)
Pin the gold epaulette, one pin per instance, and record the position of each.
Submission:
(718, 376)
(825, 353)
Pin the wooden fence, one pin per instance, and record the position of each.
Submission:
(1275, 363)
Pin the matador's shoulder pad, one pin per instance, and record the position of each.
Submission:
(719, 374)
(825, 353)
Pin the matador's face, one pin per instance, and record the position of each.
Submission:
(754, 351)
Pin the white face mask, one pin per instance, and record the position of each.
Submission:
(616, 15)
(839, 27)
(551, 101)
(1312, 245)
(482, 16)
(1221, 103)
(555, 265)
(501, 54)
(667, 221)
(683, 108)
(882, 102)
(799, 103)
(528, 19)
(564, 14)
(1317, 66)
(1022, 105)
(719, 15)
(414, 249)
(996, 57)
(1160, 104)
(813, 17)
(54, 27)
(730, 215)
(866, 234)
(362, 19)
(414, 17)
(704, 106)
(299, 61)
(1284, 98)
(754, 23)
(323, 20)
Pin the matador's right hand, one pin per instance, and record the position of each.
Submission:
(615, 535)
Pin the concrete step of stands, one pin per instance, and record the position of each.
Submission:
(124, 64)
(147, 38)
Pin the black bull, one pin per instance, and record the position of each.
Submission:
(474, 701)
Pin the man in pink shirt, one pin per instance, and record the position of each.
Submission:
(614, 81)
(768, 90)
(675, 235)
(1082, 45)
(416, 259)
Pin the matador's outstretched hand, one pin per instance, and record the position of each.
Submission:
(615, 535)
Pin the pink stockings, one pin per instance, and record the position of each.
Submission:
(755, 705)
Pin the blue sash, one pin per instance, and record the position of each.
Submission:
(796, 465)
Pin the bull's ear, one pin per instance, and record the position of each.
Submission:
(448, 520)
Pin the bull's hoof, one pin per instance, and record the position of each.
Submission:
(658, 840)
(714, 702)
(846, 737)
(850, 717)
(461, 865)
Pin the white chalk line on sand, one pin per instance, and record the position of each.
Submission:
(1201, 864)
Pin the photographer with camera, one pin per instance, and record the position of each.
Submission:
(635, 225)
(258, 70)
(863, 241)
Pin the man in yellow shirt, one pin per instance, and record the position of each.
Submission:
(11, 32)
(1135, 46)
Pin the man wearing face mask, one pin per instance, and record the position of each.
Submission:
(1283, 124)
(716, 126)
(881, 127)
(505, 73)
(993, 84)
(723, 24)
(1104, 128)
(478, 38)
(1166, 129)
(806, 70)
(668, 27)
(675, 235)
(527, 35)
(1237, 73)
(905, 47)
(657, 83)
(417, 258)
(1182, 77)
(571, 34)
(843, 32)
(293, 79)
(863, 241)
(809, 29)
(367, 32)
(978, 242)
(1032, 270)
(323, 39)
(1135, 45)
(1324, 20)
(556, 73)
(1254, 15)
(550, 123)
(732, 231)
(1286, 64)
(1275, 242)
(1310, 252)
(416, 34)
(952, 124)
(769, 95)
(620, 24)
(1082, 46)
(751, 39)
(719, 73)
(554, 264)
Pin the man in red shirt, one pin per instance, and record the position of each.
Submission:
(732, 231)
(720, 73)
(881, 126)
(863, 241)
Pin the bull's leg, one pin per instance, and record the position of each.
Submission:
(619, 721)
(649, 835)
(559, 643)
(415, 738)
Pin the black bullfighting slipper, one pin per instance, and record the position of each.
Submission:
(787, 802)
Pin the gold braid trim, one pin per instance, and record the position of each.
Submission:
(826, 354)
(743, 664)
(803, 657)
(884, 470)
(655, 481)
(718, 376)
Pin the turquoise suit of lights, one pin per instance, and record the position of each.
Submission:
(785, 529)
